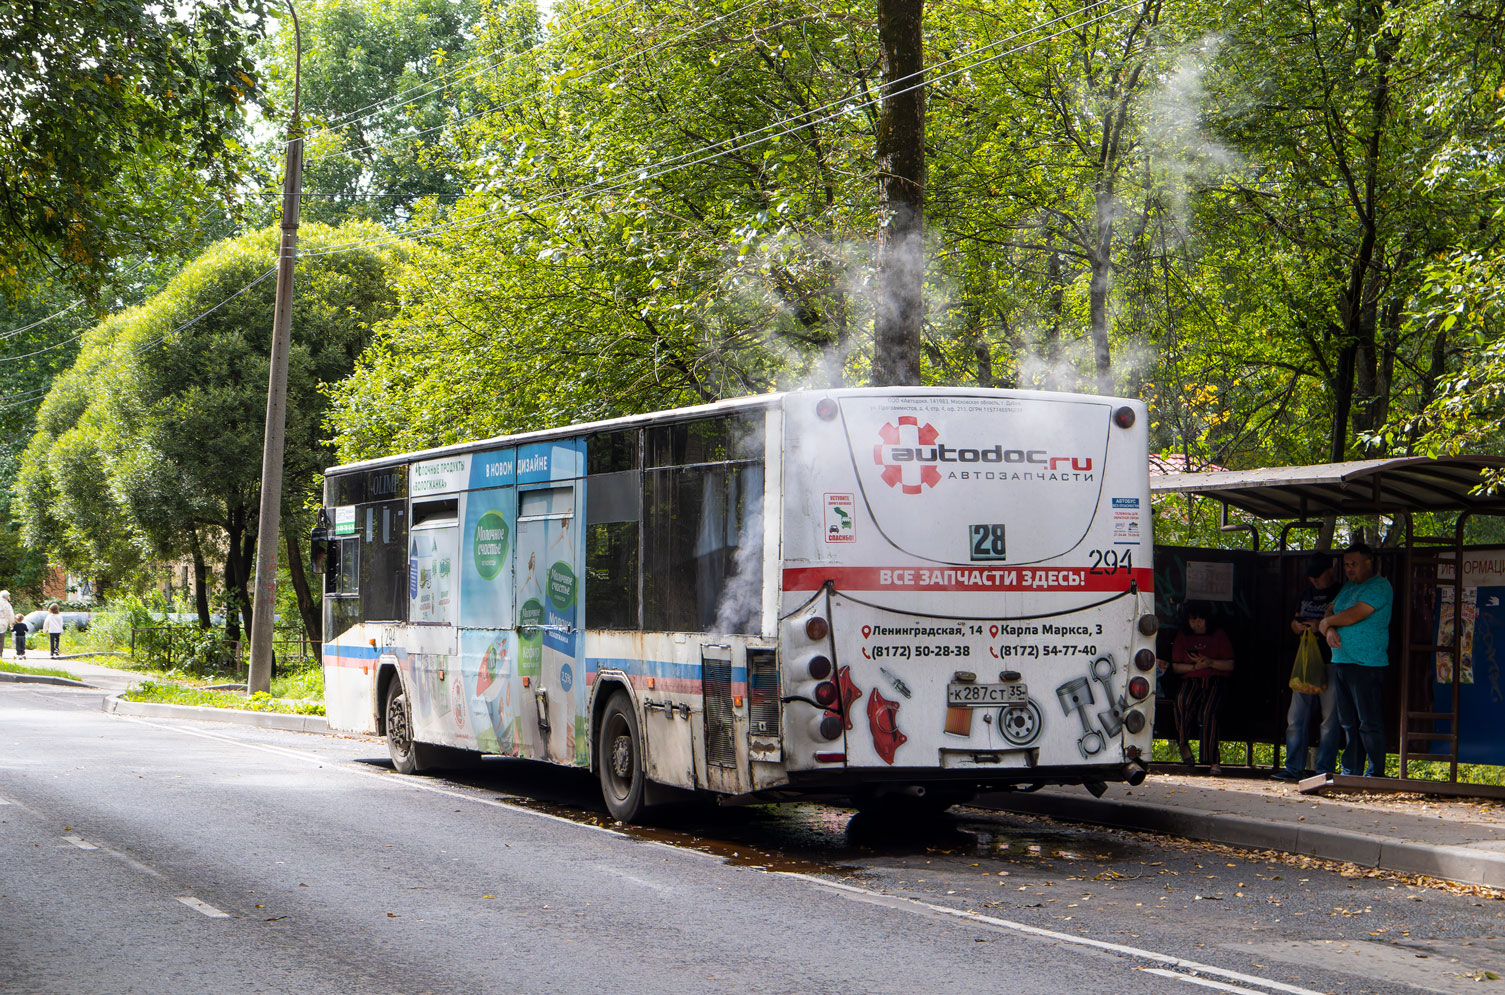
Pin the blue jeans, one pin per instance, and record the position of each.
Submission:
(1360, 710)
(1299, 719)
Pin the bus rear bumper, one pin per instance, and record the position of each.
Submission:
(848, 784)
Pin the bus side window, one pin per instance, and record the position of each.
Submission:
(611, 575)
(703, 549)
(345, 571)
(383, 563)
(613, 507)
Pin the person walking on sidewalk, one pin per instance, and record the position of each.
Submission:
(1358, 630)
(53, 626)
(7, 619)
(1203, 659)
(1321, 588)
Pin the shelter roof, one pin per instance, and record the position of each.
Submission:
(1362, 487)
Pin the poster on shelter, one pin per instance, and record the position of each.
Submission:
(1208, 581)
(1481, 691)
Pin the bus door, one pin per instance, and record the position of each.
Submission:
(548, 568)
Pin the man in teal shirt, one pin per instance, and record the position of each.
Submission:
(1358, 630)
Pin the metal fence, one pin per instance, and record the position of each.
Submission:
(170, 644)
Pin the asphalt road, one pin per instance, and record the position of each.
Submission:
(164, 856)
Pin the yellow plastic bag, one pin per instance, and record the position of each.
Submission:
(1309, 675)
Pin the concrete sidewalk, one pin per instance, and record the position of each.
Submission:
(116, 682)
(1454, 839)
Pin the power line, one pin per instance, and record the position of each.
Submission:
(40, 321)
(345, 153)
(347, 120)
(707, 153)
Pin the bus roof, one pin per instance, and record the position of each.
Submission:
(677, 414)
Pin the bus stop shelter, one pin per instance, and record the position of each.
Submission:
(1445, 693)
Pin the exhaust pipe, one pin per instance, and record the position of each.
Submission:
(1134, 772)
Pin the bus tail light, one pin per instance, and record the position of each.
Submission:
(1139, 688)
(831, 758)
(817, 628)
(827, 727)
(825, 409)
(1148, 625)
(1145, 660)
(1124, 417)
(1134, 722)
(827, 694)
(820, 667)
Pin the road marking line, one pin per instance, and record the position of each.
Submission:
(203, 907)
(1205, 982)
(851, 891)
(79, 842)
(398, 781)
(900, 902)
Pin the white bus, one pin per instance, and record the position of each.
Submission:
(880, 596)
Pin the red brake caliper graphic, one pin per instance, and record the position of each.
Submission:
(849, 693)
(893, 475)
(883, 721)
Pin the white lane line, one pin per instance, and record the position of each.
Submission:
(203, 908)
(914, 904)
(1204, 982)
(400, 781)
(80, 842)
(905, 904)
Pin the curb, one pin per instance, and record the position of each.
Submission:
(1462, 864)
(261, 720)
(11, 678)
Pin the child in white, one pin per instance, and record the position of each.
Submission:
(53, 626)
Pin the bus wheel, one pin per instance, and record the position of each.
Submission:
(619, 754)
(407, 756)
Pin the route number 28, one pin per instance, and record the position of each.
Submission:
(987, 542)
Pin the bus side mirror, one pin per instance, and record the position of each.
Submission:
(320, 547)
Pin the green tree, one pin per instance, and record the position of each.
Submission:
(381, 82)
(163, 447)
(114, 118)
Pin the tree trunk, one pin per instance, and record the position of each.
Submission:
(1342, 401)
(233, 529)
(200, 580)
(899, 310)
(308, 609)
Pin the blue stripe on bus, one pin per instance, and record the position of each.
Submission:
(654, 668)
(363, 651)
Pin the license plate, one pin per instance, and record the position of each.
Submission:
(983, 695)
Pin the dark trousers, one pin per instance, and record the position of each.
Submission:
(1197, 702)
(20, 643)
(55, 638)
(1360, 711)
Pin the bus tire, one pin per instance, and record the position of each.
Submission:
(619, 752)
(408, 757)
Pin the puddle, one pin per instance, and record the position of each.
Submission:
(802, 837)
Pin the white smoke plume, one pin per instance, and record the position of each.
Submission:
(1184, 157)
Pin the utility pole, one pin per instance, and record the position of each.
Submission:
(269, 525)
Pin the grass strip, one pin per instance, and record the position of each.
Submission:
(180, 694)
(18, 668)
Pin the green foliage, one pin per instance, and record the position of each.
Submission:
(356, 55)
(11, 667)
(151, 443)
(118, 115)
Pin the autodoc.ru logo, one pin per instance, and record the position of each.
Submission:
(911, 454)
(896, 454)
